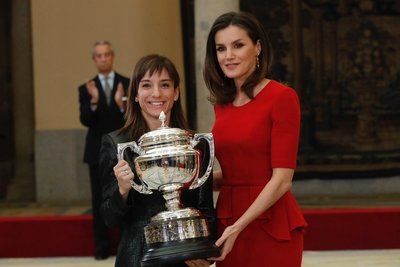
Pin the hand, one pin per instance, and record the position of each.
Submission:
(92, 91)
(118, 95)
(124, 175)
(197, 263)
(227, 239)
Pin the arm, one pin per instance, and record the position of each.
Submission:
(87, 114)
(280, 183)
(217, 179)
(118, 97)
(115, 203)
(202, 197)
(205, 204)
(285, 118)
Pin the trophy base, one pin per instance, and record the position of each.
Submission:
(179, 251)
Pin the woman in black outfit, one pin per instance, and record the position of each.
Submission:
(154, 87)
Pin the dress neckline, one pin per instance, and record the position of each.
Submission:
(255, 97)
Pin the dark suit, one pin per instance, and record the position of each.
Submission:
(106, 118)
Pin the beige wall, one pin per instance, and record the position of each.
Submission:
(63, 32)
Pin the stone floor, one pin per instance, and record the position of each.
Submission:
(348, 258)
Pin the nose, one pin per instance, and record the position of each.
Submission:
(156, 91)
(229, 53)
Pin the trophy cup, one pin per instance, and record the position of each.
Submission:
(168, 162)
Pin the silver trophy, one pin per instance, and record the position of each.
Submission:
(168, 162)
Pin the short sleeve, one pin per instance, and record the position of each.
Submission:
(285, 130)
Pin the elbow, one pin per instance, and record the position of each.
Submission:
(85, 121)
(286, 186)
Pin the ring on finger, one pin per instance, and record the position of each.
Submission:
(126, 172)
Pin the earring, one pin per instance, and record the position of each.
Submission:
(257, 61)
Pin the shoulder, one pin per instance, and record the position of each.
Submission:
(280, 89)
(283, 92)
(117, 137)
(121, 77)
(82, 87)
(219, 108)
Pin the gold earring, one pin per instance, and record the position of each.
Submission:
(257, 62)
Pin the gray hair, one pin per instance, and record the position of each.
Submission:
(101, 42)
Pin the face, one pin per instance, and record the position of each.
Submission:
(103, 58)
(156, 93)
(236, 52)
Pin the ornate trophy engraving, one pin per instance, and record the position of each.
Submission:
(168, 162)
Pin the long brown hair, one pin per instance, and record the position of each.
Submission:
(135, 123)
(222, 88)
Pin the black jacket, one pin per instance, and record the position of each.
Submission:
(135, 214)
(105, 119)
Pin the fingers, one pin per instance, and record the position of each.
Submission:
(90, 83)
(220, 241)
(197, 263)
(227, 240)
(224, 252)
(124, 175)
(121, 163)
(223, 237)
(123, 171)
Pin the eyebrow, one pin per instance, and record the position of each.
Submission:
(163, 80)
(238, 40)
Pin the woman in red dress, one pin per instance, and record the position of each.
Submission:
(256, 135)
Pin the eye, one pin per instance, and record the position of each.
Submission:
(220, 48)
(238, 45)
(166, 85)
(145, 85)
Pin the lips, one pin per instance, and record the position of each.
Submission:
(156, 103)
(231, 66)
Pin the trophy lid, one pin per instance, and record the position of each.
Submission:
(164, 134)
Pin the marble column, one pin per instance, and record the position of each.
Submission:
(206, 11)
(23, 184)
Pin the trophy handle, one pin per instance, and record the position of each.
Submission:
(210, 140)
(142, 188)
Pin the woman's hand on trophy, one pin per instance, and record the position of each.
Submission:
(197, 263)
(227, 240)
(124, 175)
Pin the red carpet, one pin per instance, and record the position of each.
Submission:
(46, 236)
(329, 229)
(363, 228)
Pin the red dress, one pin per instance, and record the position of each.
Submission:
(250, 140)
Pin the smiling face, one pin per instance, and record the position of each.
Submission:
(156, 93)
(236, 53)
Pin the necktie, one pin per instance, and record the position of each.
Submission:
(107, 90)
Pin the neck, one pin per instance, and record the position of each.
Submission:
(241, 97)
(240, 80)
(154, 123)
(238, 85)
(105, 73)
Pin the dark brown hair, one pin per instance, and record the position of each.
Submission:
(222, 88)
(135, 123)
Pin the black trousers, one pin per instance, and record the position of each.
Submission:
(100, 230)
